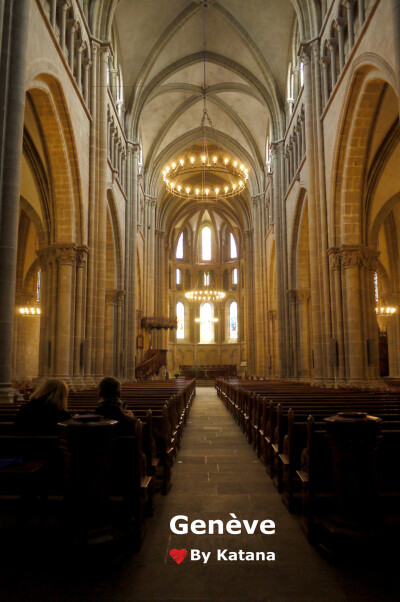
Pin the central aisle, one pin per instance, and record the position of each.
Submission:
(218, 473)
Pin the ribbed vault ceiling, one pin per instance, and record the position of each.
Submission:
(161, 56)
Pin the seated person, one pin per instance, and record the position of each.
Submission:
(47, 406)
(111, 407)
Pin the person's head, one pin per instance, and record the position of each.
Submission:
(109, 387)
(54, 391)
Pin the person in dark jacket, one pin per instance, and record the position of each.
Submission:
(111, 407)
(46, 408)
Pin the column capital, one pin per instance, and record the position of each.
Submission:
(304, 52)
(339, 23)
(303, 295)
(358, 255)
(332, 43)
(81, 255)
(334, 256)
(66, 254)
(111, 296)
(325, 61)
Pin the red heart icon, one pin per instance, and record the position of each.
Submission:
(178, 555)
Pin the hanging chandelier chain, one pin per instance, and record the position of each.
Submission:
(217, 177)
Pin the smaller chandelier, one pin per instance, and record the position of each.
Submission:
(200, 176)
(385, 312)
(214, 320)
(29, 311)
(205, 295)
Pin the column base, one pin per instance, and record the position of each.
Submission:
(8, 394)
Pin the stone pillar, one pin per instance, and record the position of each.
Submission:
(292, 294)
(12, 101)
(91, 271)
(120, 296)
(80, 312)
(102, 208)
(249, 284)
(109, 333)
(332, 43)
(131, 258)
(304, 334)
(73, 26)
(63, 25)
(350, 22)
(86, 77)
(356, 261)
(338, 351)
(79, 50)
(53, 13)
(340, 24)
(361, 12)
(325, 78)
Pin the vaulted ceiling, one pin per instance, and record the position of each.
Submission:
(248, 48)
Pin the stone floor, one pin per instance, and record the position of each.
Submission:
(216, 473)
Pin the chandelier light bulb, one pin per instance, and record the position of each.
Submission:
(216, 190)
(234, 187)
(214, 160)
(226, 161)
(192, 160)
(203, 159)
(197, 191)
(226, 189)
(179, 188)
(207, 191)
(235, 164)
(182, 162)
(173, 165)
(188, 190)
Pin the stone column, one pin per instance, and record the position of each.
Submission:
(86, 73)
(303, 331)
(249, 284)
(53, 13)
(350, 22)
(332, 43)
(325, 78)
(80, 311)
(79, 49)
(73, 26)
(120, 297)
(337, 317)
(63, 25)
(131, 275)
(102, 208)
(65, 257)
(294, 372)
(340, 24)
(109, 333)
(12, 100)
(361, 12)
(312, 215)
(355, 331)
(91, 270)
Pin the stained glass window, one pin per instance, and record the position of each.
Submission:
(376, 287)
(180, 314)
(233, 248)
(233, 325)
(206, 323)
(206, 244)
(38, 282)
(179, 247)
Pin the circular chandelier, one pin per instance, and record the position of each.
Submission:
(29, 311)
(205, 295)
(201, 176)
(205, 175)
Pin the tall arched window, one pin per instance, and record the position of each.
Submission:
(180, 314)
(178, 276)
(38, 284)
(233, 248)
(206, 323)
(179, 247)
(233, 324)
(235, 276)
(206, 244)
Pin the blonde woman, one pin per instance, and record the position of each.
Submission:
(47, 406)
